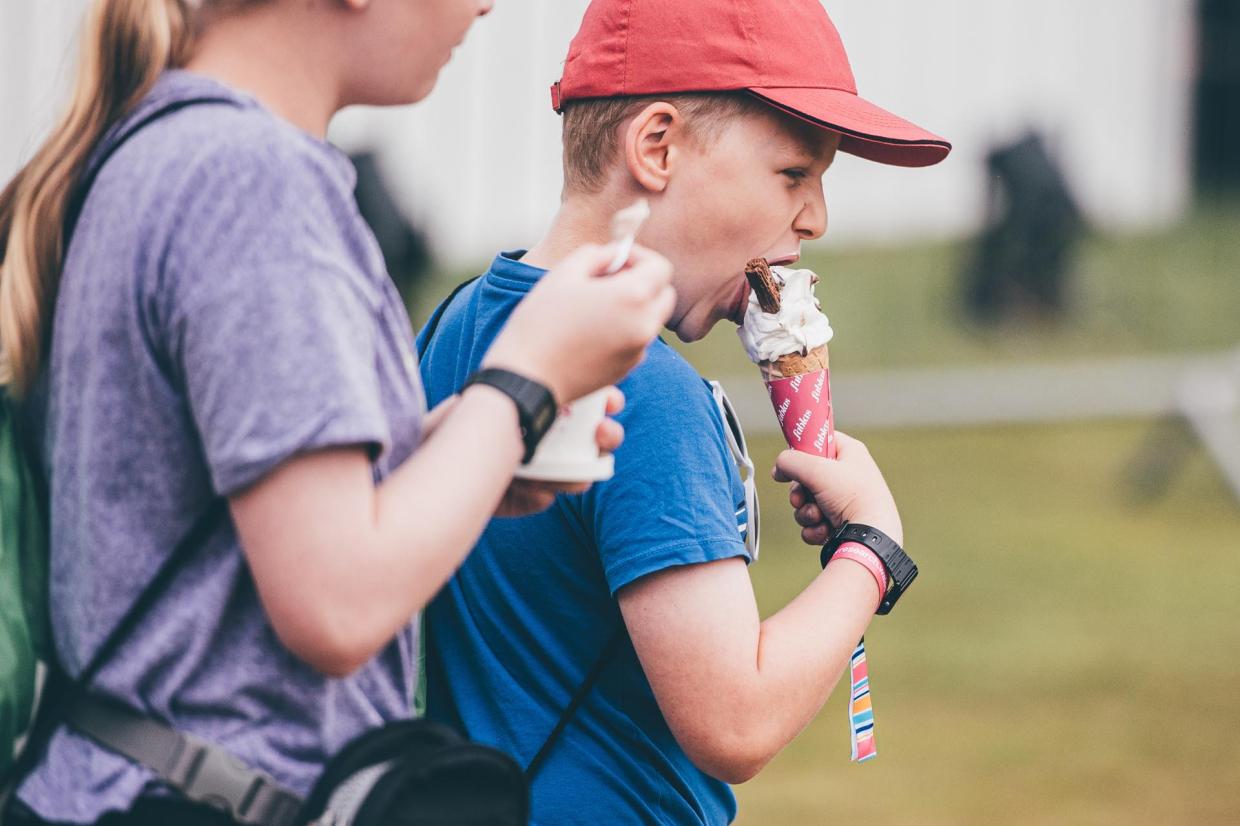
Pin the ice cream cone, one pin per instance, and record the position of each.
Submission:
(795, 364)
(786, 337)
(803, 406)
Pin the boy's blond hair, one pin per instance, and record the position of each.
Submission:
(592, 128)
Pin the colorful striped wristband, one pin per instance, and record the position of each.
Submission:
(860, 706)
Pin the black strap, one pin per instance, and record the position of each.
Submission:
(609, 649)
(206, 522)
(604, 658)
(78, 199)
(62, 690)
(433, 324)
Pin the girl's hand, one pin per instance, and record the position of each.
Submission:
(579, 329)
(826, 493)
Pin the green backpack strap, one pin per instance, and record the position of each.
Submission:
(25, 633)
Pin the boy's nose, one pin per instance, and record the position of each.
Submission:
(811, 221)
(484, 7)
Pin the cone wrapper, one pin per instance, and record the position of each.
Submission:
(803, 406)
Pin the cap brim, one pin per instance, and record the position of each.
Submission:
(869, 131)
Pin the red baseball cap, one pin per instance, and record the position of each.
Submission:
(786, 52)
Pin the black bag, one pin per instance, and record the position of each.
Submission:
(418, 773)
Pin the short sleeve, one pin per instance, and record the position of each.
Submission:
(270, 320)
(676, 497)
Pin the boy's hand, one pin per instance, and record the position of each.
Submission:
(527, 496)
(826, 493)
(816, 529)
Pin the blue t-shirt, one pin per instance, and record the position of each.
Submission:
(514, 633)
(223, 307)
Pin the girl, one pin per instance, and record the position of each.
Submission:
(220, 325)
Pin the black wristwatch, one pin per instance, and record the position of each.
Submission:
(536, 406)
(901, 571)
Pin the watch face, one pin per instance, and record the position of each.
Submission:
(543, 417)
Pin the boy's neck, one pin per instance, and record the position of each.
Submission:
(581, 220)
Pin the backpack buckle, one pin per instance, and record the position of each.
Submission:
(205, 774)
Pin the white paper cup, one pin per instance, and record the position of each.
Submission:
(569, 452)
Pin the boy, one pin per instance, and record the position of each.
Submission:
(700, 692)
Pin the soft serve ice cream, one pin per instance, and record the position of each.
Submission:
(797, 327)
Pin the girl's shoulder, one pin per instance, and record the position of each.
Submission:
(196, 133)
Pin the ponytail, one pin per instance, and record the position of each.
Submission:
(126, 45)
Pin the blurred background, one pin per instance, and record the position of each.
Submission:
(1039, 339)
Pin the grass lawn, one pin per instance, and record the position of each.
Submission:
(1070, 654)
(1066, 657)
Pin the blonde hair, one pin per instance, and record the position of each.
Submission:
(126, 45)
(591, 132)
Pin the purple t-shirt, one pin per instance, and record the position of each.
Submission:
(223, 308)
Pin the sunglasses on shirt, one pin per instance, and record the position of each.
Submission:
(740, 454)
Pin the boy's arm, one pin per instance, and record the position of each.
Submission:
(734, 689)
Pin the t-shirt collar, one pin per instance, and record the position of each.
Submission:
(509, 266)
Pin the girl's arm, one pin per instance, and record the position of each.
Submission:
(341, 564)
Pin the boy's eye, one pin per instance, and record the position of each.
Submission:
(795, 175)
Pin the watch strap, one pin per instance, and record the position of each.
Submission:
(901, 570)
(536, 408)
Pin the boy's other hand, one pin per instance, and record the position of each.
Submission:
(579, 329)
(527, 496)
(826, 493)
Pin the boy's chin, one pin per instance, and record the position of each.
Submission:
(691, 330)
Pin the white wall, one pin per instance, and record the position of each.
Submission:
(37, 57)
(1109, 80)
(478, 162)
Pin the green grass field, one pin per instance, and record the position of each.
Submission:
(1071, 653)
(1066, 657)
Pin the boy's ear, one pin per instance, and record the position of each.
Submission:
(650, 144)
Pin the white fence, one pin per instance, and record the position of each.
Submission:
(478, 163)
(1203, 391)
